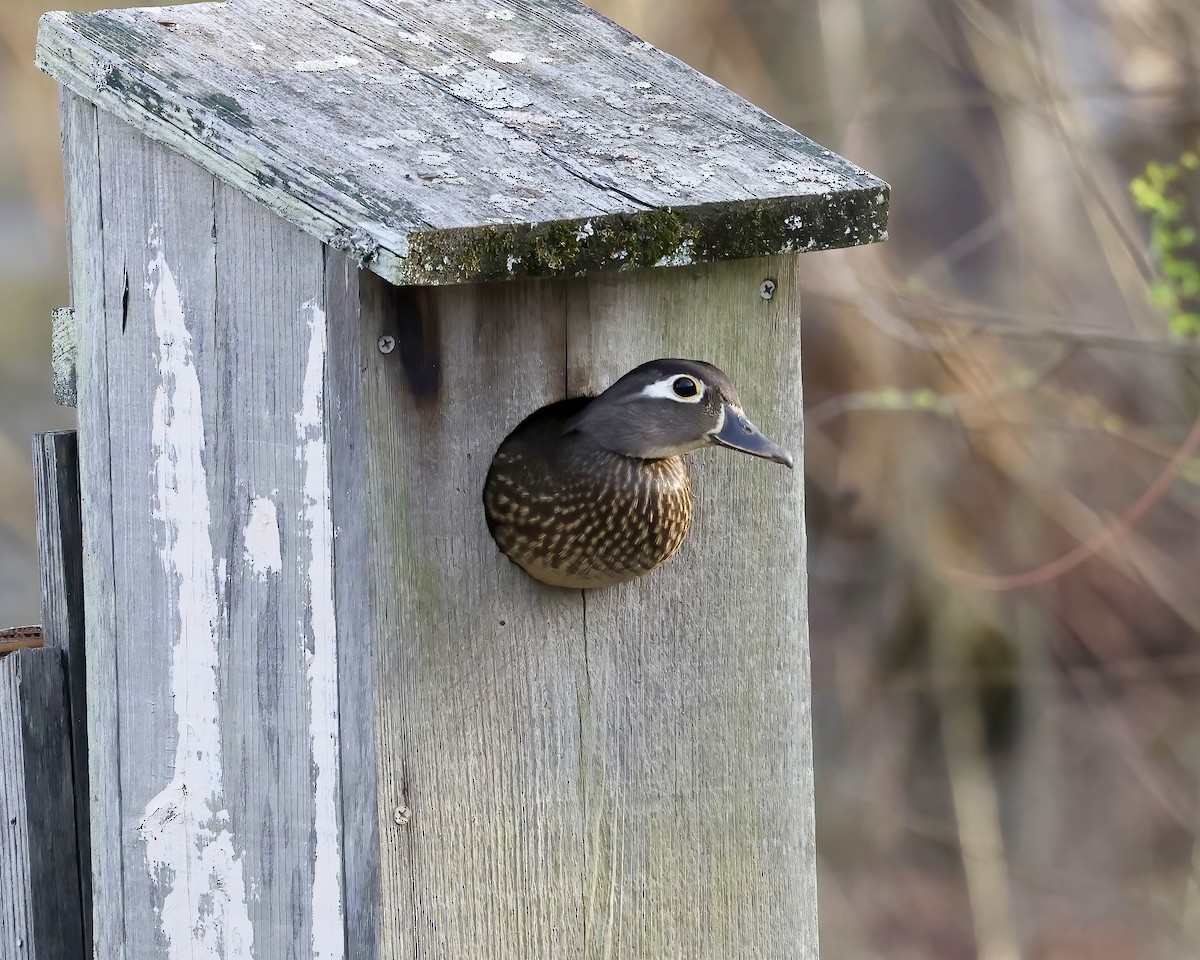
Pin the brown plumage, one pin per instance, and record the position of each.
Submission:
(572, 514)
(592, 492)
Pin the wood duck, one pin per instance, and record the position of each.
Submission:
(593, 491)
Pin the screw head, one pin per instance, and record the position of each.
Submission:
(402, 815)
(767, 289)
(387, 344)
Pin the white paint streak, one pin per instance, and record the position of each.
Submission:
(189, 846)
(420, 38)
(324, 66)
(506, 56)
(261, 537)
(320, 634)
(500, 15)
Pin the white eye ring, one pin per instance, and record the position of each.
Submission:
(665, 388)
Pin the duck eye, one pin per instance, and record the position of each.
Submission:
(685, 387)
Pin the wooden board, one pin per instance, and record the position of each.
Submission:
(349, 358)
(16, 906)
(622, 773)
(60, 554)
(466, 140)
(93, 318)
(697, 744)
(477, 670)
(40, 911)
(217, 780)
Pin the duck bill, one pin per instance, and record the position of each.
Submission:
(738, 433)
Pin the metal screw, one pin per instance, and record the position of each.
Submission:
(767, 290)
(402, 815)
(387, 344)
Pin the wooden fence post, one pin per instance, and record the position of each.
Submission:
(60, 549)
(325, 255)
(40, 911)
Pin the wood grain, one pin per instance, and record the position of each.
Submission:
(625, 772)
(477, 670)
(85, 235)
(351, 353)
(40, 912)
(222, 637)
(16, 906)
(697, 742)
(60, 552)
(500, 140)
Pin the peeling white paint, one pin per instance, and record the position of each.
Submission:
(420, 38)
(320, 634)
(190, 851)
(324, 66)
(375, 143)
(489, 88)
(510, 204)
(435, 158)
(519, 116)
(261, 537)
(506, 56)
(500, 14)
(498, 131)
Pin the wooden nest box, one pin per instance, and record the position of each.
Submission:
(325, 254)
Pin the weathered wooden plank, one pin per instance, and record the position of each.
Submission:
(40, 912)
(352, 350)
(227, 732)
(477, 670)
(502, 140)
(157, 216)
(697, 748)
(16, 906)
(60, 551)
(85, 234)
(64, 349)
(50, 804)
(626, 773)
(272, 527)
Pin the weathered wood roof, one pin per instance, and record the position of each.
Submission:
(460, 140)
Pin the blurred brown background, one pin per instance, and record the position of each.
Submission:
(1003, 485)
